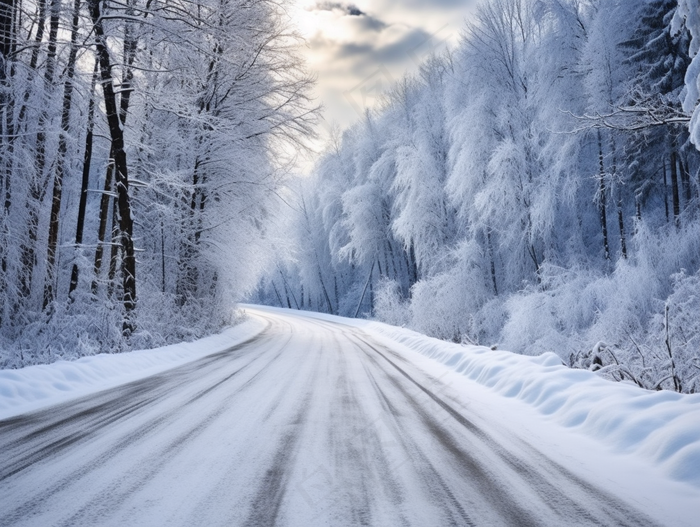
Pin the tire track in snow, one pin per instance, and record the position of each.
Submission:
(614, 512)
(151, 390)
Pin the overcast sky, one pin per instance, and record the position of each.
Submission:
(358, 49)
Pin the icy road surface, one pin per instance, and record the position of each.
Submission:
(309, 423)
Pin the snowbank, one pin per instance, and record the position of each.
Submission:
(663, 427)
(33, 387)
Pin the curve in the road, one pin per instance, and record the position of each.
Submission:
(308, 423)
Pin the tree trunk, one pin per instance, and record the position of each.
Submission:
(7, 34)
(618, 192)
(325, 291)
(392, 257)
(621, 224)
(126, 226)
(87, 159)
(412, 265)
(49, 289)
(602, 191)
(364, 291)
(128, 55)
(674, 188)
(104, 219)
(162, 256)
(685, 179)
(492, 263)
(665, 190)
(114, 247)
(7, 48)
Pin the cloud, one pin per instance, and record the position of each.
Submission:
(392, 47)
(358, 48)
(359, 17)
(348, 9)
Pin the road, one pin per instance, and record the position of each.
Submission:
(309, 423)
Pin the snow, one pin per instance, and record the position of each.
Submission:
(633, 444)
(661, 428)
(27, 389)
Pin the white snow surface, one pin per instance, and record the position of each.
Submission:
(34, 387)
(660, 428)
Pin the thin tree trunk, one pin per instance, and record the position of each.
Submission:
(392, 258)
(674, 188)
(685, 180)
(34, 59)
(162, 255)
(621, 224)
(7, 48)
(412, 265)
(665, 190)
(288, 289)
(364, 290)
(325, 292)
(618, 191)
(602, 199)
(492, 265)
(87, 159)
(279, 298)
(7, 36)
(104, 218)
(286, 294)
(113, 252)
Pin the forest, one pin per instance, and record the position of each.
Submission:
(142, 147)
(535, 189)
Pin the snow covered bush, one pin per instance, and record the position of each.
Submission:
(389, 306)
(676, 334)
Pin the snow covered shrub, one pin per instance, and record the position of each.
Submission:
(650, 317)
(676, 335)
(437, 309)
(67, 331)
(551, 316)
(389, 306)
(444, 305)
(488, 322)
(616, 324)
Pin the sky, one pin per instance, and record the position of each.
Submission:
(357, 50)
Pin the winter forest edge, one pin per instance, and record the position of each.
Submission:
(535, 189)
(143, 145)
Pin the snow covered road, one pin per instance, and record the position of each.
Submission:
(309, 423)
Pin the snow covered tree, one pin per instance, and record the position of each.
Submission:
(176, 157)
(533, 188)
